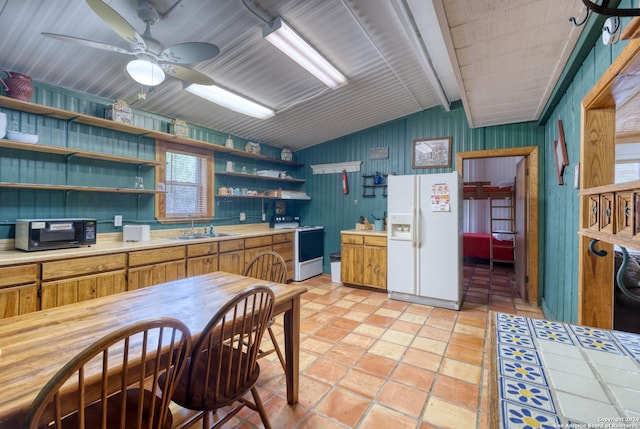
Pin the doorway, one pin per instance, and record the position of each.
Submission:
(531, 161)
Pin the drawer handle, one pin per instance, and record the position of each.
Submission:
(627, 211)
(594, 210)
(607, 212)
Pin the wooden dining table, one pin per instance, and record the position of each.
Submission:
(34, 346)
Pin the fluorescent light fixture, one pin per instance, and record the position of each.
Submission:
(232, 101)
(283, 37)
(145, 72)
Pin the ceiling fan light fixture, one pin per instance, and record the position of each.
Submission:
(145, 72)
(229, 100)
(285, 38)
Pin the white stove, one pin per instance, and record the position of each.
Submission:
(308, 252)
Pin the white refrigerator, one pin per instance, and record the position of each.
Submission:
(424, 227)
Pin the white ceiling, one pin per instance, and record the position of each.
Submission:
(502, 58)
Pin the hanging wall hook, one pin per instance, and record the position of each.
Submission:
(578, 24)
(592, 249)
(616, 22)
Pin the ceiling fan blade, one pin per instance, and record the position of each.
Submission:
(186, 74)
(87, 43)
(191, 52)
(116, 22)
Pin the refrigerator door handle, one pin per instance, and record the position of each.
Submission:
(418, 228)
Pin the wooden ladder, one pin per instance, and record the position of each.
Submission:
(503, 221)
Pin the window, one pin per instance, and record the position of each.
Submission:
(187, 173)
(627, 171)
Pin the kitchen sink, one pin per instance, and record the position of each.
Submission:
(199, 236)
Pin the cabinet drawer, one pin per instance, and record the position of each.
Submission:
(285, 250)
(19, 274)
(282, 238)
(250, 254)
(230, 245)
(262, 241)
(153, 256)
(375, 241)
(624, 214)
(202, 249)
(352, 239)
(83, 266)
(606, 213)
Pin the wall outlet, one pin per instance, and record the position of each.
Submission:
(243, 217)
(117, 220)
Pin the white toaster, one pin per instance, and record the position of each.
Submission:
(136, 233)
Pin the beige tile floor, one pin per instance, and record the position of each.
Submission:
(370, 362)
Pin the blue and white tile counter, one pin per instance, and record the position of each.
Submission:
(556, 375)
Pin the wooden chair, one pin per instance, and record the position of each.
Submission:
(223, 365)
(269, 266)
(124, 380)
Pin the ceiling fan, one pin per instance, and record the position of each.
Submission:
(153, 59)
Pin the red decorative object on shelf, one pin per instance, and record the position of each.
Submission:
(17, 85)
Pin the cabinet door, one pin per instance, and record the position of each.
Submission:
(155, 274)
(18, 300)
(232, 262)
(68, 291)
(351, 263)
(285, 249)
(375, 267)
(202, 265)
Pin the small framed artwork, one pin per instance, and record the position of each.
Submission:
(379, 153)
(432, 153)
(560, 151)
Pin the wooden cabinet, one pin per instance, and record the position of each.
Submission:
(154, 266)
(284, 246)
(18, 290)
(375, 262)
(231, 256)
(352, 259)
(202, 258)
(68, 281)
(363, 260)
(613, 214)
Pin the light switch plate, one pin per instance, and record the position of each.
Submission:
(117, 220)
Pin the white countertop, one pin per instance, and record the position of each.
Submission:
(558, 375)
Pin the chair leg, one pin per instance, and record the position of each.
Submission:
(206, 419)
(260, 408)
(276, 347)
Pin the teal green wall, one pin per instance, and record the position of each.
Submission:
(561, 216)
(336, 211)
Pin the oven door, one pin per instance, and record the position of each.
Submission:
(310, 244)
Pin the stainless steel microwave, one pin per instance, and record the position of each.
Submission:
(47, 234)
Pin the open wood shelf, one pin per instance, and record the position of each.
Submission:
(76, 188)
(258, 177)
(35, 147)
(65, 115)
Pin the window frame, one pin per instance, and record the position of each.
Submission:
(161, 173)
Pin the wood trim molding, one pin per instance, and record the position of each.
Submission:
(532, 153)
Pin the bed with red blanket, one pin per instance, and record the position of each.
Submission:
(476, 245)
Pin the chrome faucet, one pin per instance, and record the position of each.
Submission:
(192, 228)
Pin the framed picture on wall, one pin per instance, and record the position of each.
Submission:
(432, 153)
(560, 151)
